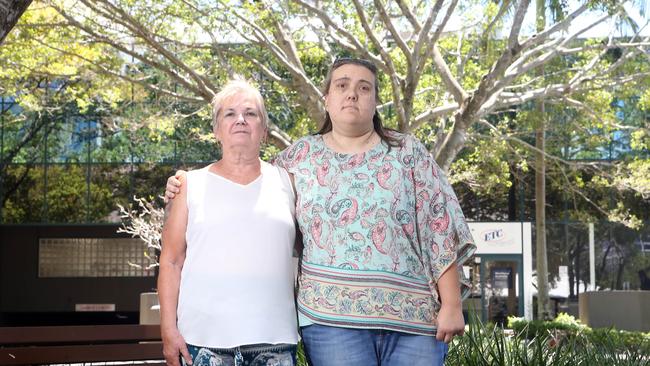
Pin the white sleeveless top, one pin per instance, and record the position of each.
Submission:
(237, 279)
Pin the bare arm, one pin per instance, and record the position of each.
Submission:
(171, 264)
(450, 317)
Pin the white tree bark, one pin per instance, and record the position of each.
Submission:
(285, 30)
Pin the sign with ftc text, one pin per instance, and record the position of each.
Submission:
(499, 237)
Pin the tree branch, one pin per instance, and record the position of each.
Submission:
(357, 47)
(141, 81)
(394, 33)
(450, 82)
(409, 15)
(155, 64)
(207, 88)
(432, 114)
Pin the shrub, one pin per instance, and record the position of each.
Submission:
(536, 344)
(493, 345)
(563, 324)
(603, 346)
(620, 339)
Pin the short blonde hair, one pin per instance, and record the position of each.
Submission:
(234, 87)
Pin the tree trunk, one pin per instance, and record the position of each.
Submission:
(578, 264)
(543, 300)
(10, 12)
(622, 261)
(512, 195)
(600, 271)
(572, 273)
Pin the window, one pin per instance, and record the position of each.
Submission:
(94, 257)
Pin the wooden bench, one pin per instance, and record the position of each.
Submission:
(76, 344)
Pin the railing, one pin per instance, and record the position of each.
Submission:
(78, 344)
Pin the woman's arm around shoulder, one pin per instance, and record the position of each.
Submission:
(173, 186)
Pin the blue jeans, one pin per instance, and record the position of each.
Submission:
(248, 355)
(334, 346)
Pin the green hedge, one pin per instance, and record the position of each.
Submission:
(566, 327)
(561, 342)
(563, 322)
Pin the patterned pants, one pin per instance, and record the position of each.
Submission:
(247, 355)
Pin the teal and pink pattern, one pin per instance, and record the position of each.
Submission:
(379, 229)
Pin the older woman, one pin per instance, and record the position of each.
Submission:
(226, 278)
(384, 236)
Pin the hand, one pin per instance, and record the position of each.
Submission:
(450, 322)
(173, 346)
(173, 186)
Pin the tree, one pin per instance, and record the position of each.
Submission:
(543, 299)
(175, 38)
(56, 110)
(468, 91)
(39, 88)
(10, 11)
(65, 196)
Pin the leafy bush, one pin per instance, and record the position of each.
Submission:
(564, 324)
(484, 345)
(562, 342)
(621, 339)
(568, 326)
(597, 346)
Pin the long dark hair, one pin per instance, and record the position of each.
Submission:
(326, 127)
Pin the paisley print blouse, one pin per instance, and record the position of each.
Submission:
(379, 229)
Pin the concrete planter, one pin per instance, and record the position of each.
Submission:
(627, 310)
(149, 308)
